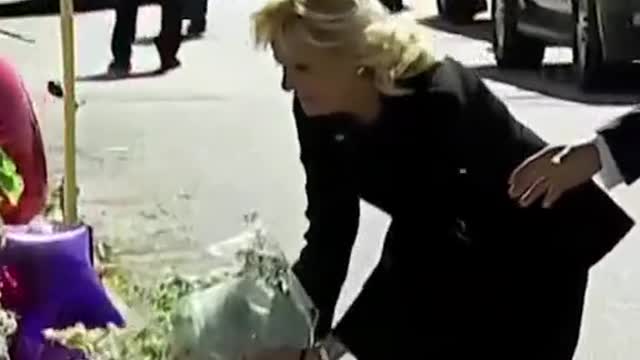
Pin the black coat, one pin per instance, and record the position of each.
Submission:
(623, 138)
(496, 279)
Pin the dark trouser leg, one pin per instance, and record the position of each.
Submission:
(197, 13)
(200, 13)
(168, 42)
(124, 31)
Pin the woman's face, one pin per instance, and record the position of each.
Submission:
(325, 80)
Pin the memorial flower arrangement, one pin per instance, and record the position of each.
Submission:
(103, 313)
(146, 335)
(213, 316)
(8, 326)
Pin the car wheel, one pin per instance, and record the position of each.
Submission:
(587, 49)
(511, 48)
(458, 11)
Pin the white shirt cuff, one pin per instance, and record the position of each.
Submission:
(609, 173)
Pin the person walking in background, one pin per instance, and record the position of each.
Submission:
(124, 33)
(21, 141)
(196, 13)
(614, 153)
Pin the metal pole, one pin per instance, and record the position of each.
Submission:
(68, 56)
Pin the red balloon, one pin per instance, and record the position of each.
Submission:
(20, 138)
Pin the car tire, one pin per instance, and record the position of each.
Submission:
(587, 46)
(511, 48)
(459, 12)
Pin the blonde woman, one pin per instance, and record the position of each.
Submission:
(463, 274)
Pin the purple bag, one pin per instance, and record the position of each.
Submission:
(61, 288)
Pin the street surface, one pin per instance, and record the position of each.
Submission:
(168, 165)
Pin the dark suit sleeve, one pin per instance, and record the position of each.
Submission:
(333, 212)
(582, 227)
(623, 138)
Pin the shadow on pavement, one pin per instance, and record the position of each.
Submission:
(558, 81)
(148, 40)
(144, 41)
(109, 77)
(479, 30)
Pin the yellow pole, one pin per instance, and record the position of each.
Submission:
(68, 56)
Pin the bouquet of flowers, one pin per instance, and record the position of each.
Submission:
(259, 304)
(249, 301)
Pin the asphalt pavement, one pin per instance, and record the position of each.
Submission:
(169, 164)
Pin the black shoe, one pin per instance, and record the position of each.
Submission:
(167, 62)
(118, 70)
(167, 65)
(196, 28)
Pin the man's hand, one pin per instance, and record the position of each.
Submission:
(553, 171)
(283, 354)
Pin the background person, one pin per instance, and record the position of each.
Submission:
(124, 35)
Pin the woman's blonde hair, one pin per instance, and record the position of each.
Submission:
(392, 47)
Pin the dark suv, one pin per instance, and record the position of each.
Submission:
(602, 33)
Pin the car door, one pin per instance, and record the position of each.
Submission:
(555, 6)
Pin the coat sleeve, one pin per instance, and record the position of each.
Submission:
(333, 211)
(581, 228)
(623, 138)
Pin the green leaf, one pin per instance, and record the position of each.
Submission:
(11, 182)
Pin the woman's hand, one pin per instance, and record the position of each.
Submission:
(553, 171)
(283, 354)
